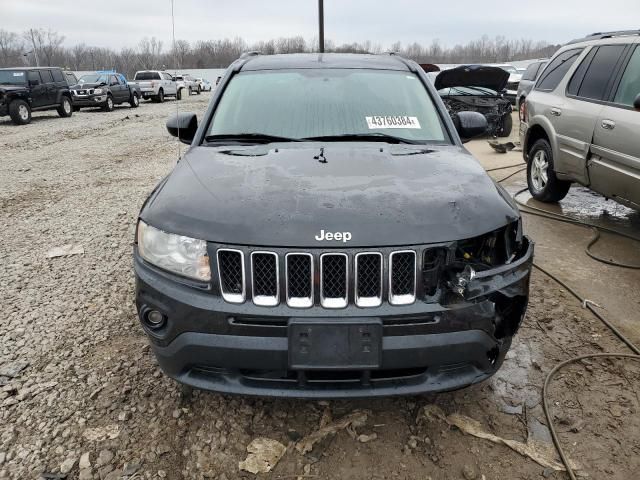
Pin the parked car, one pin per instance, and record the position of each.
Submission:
(188, 84)
(205, 84)
(581, 120)
(512, 84)
(71, 78)
(156, 85)
(25, 90)
(529, 78)
(104, 90)
(366, 253)
(477, 88)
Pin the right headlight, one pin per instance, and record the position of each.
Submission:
(97, 91)
(185, 256)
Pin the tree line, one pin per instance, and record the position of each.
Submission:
(46, 47)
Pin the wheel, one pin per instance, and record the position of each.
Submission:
(190, 91)
(179, 94)
(199, 91)
(541, 177)
(108, 106)
(134, 102)
(66, 108)
(160, 96)
(507, 126)
(20, 112)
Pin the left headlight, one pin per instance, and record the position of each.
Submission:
(179, 254)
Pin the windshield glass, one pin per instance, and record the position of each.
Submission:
(12, 77)
(94, 78)
(452, 91)
(147, 76)
(328, 102)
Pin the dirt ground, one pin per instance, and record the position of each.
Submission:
(80, 391)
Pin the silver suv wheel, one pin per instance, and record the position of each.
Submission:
(539, 170)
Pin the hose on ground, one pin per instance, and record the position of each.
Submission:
(627, 356)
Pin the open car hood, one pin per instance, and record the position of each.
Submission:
(493, 78)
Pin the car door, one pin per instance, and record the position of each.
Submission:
(569, 129)
(116, 89)
(38, 89)
(614, 168)
(171, 84)
(49, 87)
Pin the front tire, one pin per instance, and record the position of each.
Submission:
(66, 108)
(541, 176)
(135, 101)
(108, 106)
(20, 112)
(507, 126)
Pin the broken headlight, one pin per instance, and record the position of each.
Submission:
(176, 253)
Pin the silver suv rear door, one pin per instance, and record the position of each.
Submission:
(615, 165)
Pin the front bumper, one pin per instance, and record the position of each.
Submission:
(89, 100)
(244, 349)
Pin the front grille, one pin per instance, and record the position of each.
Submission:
(402, 277)
(368, 283)
(231, 275)
(299, 280)
(366, 279)
(265, 278)
(334, 271)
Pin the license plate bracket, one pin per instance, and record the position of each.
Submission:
(335, 344)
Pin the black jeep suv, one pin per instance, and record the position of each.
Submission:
(26, 90)
(327, 235)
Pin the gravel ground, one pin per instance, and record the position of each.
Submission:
(81, 395)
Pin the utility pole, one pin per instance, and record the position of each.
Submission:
(321, 24)
(35, 48)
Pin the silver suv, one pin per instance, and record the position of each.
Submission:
(582, 119)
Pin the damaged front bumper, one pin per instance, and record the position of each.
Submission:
(425, 347)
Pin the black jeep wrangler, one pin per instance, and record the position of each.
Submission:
(26, 90)
(328, 235)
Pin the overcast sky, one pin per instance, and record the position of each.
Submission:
(119, 23)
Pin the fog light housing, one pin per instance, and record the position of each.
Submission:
(155, 319)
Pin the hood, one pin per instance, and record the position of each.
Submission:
(12, 88)
(86, 86)
(494, 78)
(280, 195)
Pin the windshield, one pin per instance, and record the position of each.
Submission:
(147, 76)
(13, 77)
(94, 78)
(327, 103)
(453, 91)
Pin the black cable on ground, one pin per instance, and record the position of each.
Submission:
(628, 356)
(505, 167)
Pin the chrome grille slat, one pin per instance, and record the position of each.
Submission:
(368, 279)
(334, 280)
(231, 275)
(402, 277)
(299, 279)
(265, 279)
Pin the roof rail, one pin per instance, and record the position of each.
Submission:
(601, 35)
(253, 53)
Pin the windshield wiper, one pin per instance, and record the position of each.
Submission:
(249, 137)
(359, 137)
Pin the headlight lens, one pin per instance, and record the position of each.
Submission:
(97, 91)
(179, 254)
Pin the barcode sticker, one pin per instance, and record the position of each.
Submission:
(392, 121)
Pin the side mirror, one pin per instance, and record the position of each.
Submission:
(173, 79)
(470, 125)
(636, 103)
(183, 126)
(33, 83)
